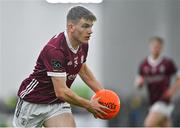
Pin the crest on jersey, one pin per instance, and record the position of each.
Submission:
(56, 64)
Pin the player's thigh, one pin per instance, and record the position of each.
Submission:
(154, 119)
(61, 120)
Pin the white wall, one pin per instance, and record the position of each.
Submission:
(127, 26)
(26, 27)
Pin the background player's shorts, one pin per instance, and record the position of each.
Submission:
(163, 108)
(34, 115)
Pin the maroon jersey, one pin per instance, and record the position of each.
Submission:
(58, 58)
(157, 75)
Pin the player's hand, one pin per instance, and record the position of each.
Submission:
(139, 81)
(97, 109)
(166, 97)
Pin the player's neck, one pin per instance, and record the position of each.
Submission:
(155, 57)
(74, 43)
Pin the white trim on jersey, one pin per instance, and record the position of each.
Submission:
(29, 88)
(29, 85)
(69, 44)
(154, 62)
(57, 74)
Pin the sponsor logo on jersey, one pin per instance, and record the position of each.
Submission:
(56, 64)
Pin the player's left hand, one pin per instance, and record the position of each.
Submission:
(166, 97)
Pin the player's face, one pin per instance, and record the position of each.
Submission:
(156, 48)
(83, 30)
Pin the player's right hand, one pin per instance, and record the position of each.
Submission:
(166, 97)
(97, 109)
(139, 81)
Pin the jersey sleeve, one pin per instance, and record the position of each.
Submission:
(53, 60)
(172, 70)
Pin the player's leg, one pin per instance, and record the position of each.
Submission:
(159, 114)
(167, 123)
(154, 119)
(61, 120)
(59, 115)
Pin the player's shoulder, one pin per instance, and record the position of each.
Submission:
(56, 42)
(168, 59)
(144, 60)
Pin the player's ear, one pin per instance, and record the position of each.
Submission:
(70, 26)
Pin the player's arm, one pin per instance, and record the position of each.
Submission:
(54, 62)
(88, 77)
(139, 81)
(173, 89)
(175, 86)
(63, 92)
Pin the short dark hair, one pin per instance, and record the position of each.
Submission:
(157, 38)
(77, 12)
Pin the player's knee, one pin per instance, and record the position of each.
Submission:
(147, 123)
(150, 123)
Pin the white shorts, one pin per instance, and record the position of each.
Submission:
(163, 108)
(34, 115)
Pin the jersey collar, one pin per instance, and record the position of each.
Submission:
(69, 43)
(154, 62)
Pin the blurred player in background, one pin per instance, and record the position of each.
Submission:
(45, 96)
(156, 72)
